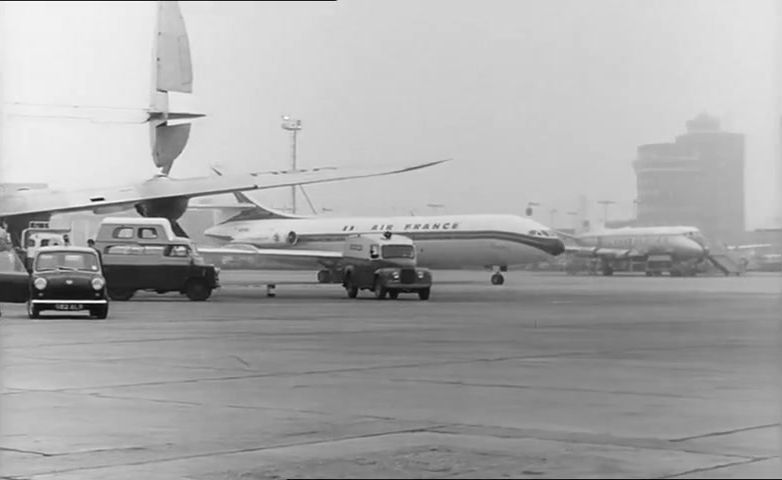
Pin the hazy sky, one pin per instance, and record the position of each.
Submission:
(535, 100)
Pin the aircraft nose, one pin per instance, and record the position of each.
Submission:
(555, 247)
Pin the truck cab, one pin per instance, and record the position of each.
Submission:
(145, 254)
(384, 264)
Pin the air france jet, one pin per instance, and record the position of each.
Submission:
(443, 241)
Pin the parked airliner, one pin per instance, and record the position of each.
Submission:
(684, 245)
(443, 241)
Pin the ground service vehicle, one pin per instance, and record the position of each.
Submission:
(145, 254)
(384, 264)
(68, 279)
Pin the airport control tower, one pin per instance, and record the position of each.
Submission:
(696, 180)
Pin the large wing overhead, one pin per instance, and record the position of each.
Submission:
(25, 201)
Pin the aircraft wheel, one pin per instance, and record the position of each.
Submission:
(497, 279)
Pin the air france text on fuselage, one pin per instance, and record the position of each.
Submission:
(407, 227)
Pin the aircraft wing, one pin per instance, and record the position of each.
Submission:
(749, 246)
(279, 256)
(23, 201)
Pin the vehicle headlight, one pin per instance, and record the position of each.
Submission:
(40, 283)
(98, 283)
(421, 274)
(395, 275)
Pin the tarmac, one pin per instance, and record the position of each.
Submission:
(546, 376)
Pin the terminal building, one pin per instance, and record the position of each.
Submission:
(696, 180)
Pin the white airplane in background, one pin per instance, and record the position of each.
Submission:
(686, 247)
(443, 241)
(159, 196)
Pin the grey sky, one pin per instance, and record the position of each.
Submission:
(535, 100)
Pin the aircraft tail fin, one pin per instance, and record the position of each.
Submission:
(172, 72)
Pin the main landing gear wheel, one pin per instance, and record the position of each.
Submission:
(497, 279)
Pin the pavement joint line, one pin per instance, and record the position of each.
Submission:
(240, 451)
(717, 467)
(308, 372)
(29, 452)
(575, 354)
(726, 432)
(542, 387)
(645, 443)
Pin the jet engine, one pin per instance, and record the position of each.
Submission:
(171, 208)
(275, 239)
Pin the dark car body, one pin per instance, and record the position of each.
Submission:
(14, 279)
(67, 279)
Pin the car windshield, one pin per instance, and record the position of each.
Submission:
(398, 251)
(83, 261)
(9, 262)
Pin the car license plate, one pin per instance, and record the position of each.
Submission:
(68, 306)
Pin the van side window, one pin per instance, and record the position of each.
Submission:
(123, 232)
(147, 233)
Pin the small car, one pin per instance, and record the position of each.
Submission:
(67, 279)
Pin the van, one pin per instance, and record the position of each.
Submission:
(384, 264)
(145, 254)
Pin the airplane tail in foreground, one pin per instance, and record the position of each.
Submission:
(172, 71)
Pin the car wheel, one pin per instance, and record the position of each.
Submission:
(393, 294)
(380, 291)
(121, 294)
(350, 288)
(33, 311)
(423, 294)
(197, 290)
(100, 312)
